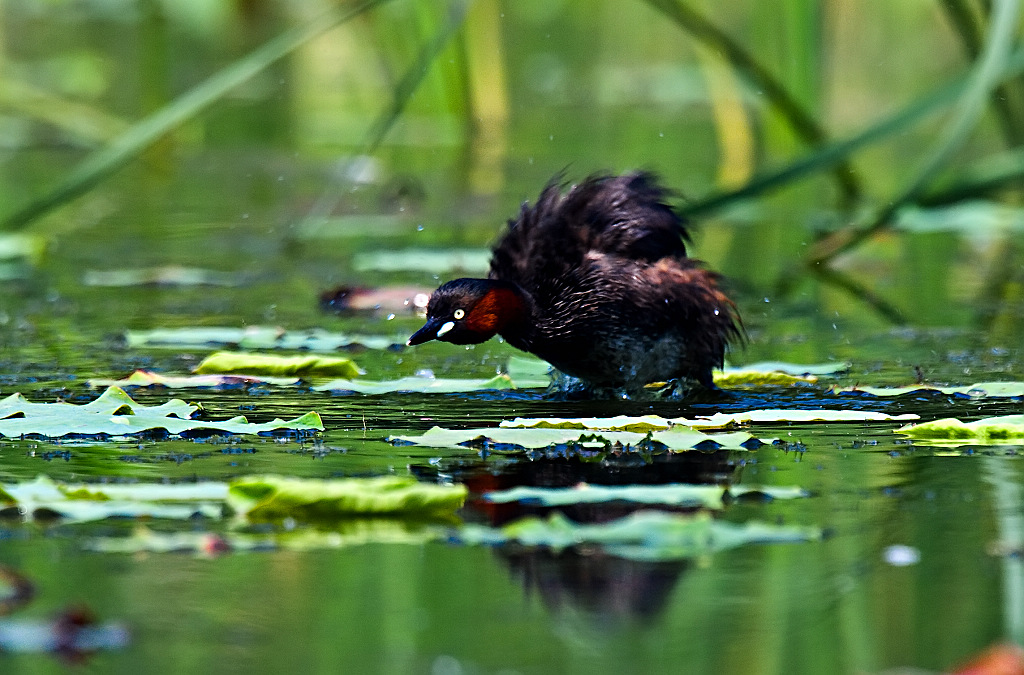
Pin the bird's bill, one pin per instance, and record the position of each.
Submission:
(432, 330)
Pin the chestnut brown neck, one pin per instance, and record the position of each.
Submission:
(504, 309)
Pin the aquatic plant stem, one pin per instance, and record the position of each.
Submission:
(832, 153)
(1002, 98)
(139, 136)
(798, 119)
(989, 70)
(406, 87)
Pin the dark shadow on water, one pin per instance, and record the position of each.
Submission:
(609, 591)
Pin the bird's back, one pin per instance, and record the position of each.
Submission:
(624, 216)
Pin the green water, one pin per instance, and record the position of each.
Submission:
(229, 193)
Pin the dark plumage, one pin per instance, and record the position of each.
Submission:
(595, 281)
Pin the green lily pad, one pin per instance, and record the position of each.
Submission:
(436, 261)
(618, 423)
(256, 337)
(113, 401)
(644, 535)
(115, 414)
(273, 497)
(147, 378)
(707, 496)
(716, 421)
(169, 275)
(674, 439)
(432, 385)
(266, 364)
(796, 369)
(979, 390)
(990, 430)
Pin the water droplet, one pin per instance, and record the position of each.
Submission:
(419, 228)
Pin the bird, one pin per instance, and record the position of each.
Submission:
(594, 278)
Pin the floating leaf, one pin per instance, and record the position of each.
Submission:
(113, 401)
(644, 535)
(114, 413)
(707, 496)
(426, 385)
(979, 390)
(256, 337)
(618, 423)
(1002, 429)
(147, 378)
(265, 364)
(796, 369)
(716, 421)
(273, 497)
(171, 275)
(436, 261)
(674, 439)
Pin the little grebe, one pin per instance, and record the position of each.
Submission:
(596, 282)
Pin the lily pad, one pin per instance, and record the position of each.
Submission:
(115, 414)
(994, 430)
(644, 535)
(707, 496)
(147, 378)
(256, 337)
(273, 497)
(979, 390)
(716, 421)
(436, 261)
(618, 423)
(674, 439)
(265, 364)
(796, 369)
(170, 275)
(432, 385)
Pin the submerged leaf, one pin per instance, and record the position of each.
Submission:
(644, 535)
(979, 390)
(1002, 429)
(707, 496)
(535, 438)
(265, 364)
(272, 497)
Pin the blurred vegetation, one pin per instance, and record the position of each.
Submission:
(841, 116)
